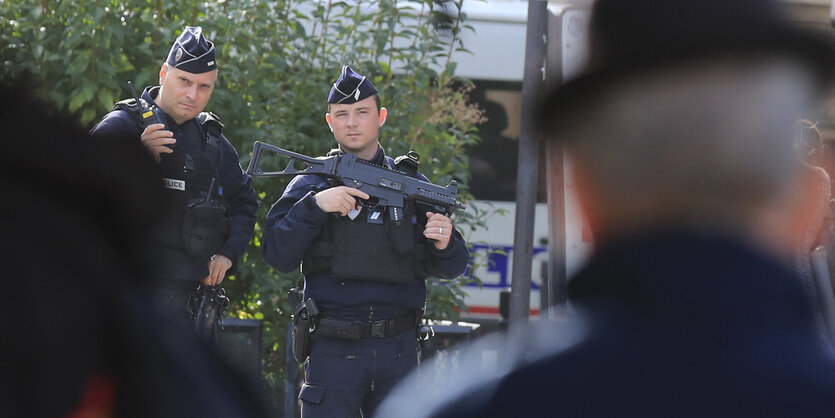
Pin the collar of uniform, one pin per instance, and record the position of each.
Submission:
(380, 156)
(680, 274)
(150, 93)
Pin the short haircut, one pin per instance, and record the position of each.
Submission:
(710, 139)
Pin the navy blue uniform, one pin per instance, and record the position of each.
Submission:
(343, 375)
(682, 325)
(171, 262)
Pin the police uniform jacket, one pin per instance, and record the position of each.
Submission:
(174, 263)
(682, 324)
(295, 221)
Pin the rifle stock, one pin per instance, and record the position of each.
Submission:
(387, 187)
(312, 165)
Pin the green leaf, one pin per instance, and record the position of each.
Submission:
(87, 116)
(276, 66)
(106, 100)
(57, 98)
(81, 97)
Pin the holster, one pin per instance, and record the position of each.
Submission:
(302, 338)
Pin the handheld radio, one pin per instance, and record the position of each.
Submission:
(147, 112)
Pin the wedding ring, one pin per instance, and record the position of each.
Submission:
(442, 231)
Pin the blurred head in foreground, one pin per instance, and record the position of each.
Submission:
(681, 133)
(686, 120)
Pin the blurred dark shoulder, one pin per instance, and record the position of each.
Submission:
(81, 336)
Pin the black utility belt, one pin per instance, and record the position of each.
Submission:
(357, 330)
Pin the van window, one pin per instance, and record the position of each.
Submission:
(494, 161)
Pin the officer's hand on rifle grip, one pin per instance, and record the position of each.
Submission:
(155, 138)
(340, 199)
(439, 229)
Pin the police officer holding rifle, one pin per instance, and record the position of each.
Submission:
(364, 264)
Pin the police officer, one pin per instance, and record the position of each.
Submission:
(364, 271)
(210, 206)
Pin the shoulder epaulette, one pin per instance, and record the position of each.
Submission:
(334, 151)
(409, 163)
(133, 108)
(129, 105)
(211, 123)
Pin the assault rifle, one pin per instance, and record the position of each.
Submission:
(387, 187)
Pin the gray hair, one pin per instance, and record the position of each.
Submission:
(710, 139)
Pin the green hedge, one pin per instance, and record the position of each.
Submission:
(277, 62)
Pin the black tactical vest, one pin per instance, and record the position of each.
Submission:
(372, 247)
(196, 214)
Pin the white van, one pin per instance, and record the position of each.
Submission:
(496, 65)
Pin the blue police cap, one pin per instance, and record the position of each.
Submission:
(350, 87)
(192, 52)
